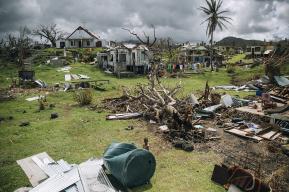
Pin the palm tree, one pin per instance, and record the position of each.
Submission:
(215, 18)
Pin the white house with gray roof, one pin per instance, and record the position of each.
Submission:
(81, 38)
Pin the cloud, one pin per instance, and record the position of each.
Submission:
(180, 20)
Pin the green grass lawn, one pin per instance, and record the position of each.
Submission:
(238, 57)
(244, 75)
(80, 133)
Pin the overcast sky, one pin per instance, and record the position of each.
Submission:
(179, 19)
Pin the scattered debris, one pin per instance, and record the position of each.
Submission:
(65, 69)
(45, 174)
(35, 98)
(70, 77)
(281, 81)
(227, 100)
(129, 128)
(41, 83)
(237, 179)
(54, 115)
(164, 128)
(122, 116)
(24, 123)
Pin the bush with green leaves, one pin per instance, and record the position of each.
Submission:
(83, 97)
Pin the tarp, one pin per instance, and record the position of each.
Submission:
(130, 166)
(281, 81)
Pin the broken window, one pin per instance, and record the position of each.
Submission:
(257, 49)
(98, 44)
(142, 56)
(122, 57)
(111, 57)
(88, 43)
(71, 43)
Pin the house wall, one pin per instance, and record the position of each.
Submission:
(85, 43)
(59, 42)
(257, 50)
(115, 63)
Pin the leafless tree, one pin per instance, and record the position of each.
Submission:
(50, 32)
(17, 47)
(146, 39)
(23, 44)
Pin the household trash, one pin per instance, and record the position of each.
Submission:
(132, 167)
(226, 100)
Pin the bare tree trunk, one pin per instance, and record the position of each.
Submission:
(211, 52)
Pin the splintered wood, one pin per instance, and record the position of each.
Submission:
(160, 104)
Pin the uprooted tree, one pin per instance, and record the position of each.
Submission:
(49, 32)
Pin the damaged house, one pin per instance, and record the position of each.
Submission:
(81, 38)
(190, 54)
(125, 59)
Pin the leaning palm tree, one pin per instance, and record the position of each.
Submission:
(215, 18)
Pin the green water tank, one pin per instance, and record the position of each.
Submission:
(130, 166)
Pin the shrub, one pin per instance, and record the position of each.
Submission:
(231, 69)
(42, 101)
(83, 97)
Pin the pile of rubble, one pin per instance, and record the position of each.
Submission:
(179, 119)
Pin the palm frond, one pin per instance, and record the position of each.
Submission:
(210, 4)
(216, 18)
(220, 3)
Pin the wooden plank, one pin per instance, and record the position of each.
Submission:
(268, 135)
(243, 134)
(276, 136)
(247, 109)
